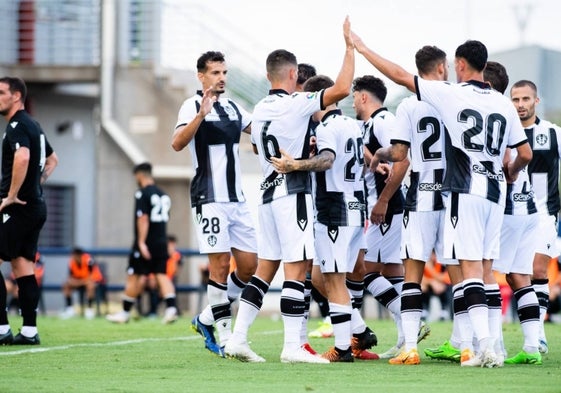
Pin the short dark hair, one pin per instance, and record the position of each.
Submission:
(428, 57)
(144, 167)
(525, 82)
(495, 73)
(15, 84)
(279, 58)
(209, 57)
(474, 52)
(172, 238)
(78, 251)
(318, 82)
(305, 72)
(371, 84)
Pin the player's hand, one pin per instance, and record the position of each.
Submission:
(284, 164)
(347, 33)
(313, 143)
(207, 102)
(143, 248)
(374, 162)
(11, 201)
(357, 42)
(385, 169)
(378, 214)
(510, 174)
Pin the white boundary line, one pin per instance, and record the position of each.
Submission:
(112, 343)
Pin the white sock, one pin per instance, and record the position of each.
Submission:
(357, 323)
(28, 331)
(341, 330)
(245, 318)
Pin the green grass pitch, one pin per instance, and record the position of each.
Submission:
(145, 356)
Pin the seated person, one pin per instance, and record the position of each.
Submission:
(82, 273)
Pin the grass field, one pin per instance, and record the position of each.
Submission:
(145, 356)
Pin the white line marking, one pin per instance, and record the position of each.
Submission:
(112, 343)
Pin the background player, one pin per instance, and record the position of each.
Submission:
(149, 251)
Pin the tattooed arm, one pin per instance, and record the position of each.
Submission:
(318, 163)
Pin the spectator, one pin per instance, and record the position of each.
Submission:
(84, 275)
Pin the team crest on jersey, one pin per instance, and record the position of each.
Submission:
(333, 233)
(541, 139)
(311, 96)
(211, 240)
(232, 114)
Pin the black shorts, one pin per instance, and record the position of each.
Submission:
(20, 226)
(140, 266)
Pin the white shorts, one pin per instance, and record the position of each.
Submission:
(383, 241)
(223, 226)
(472, 227)
(286, 229)
(421, 234)
(337, 248)
(519, 239)
(547, 241)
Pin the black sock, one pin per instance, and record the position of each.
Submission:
(3, 300)
(170, 301)
(28, 295)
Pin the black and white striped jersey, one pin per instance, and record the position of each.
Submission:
(480, 124)
(545, 140)
(215, 150)
(520, 196)
(418, 125)
(339, 191)
(280, 121)
(377, 134)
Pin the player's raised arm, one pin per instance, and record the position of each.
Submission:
(184, 134)
(342, 86)
(391, 70)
